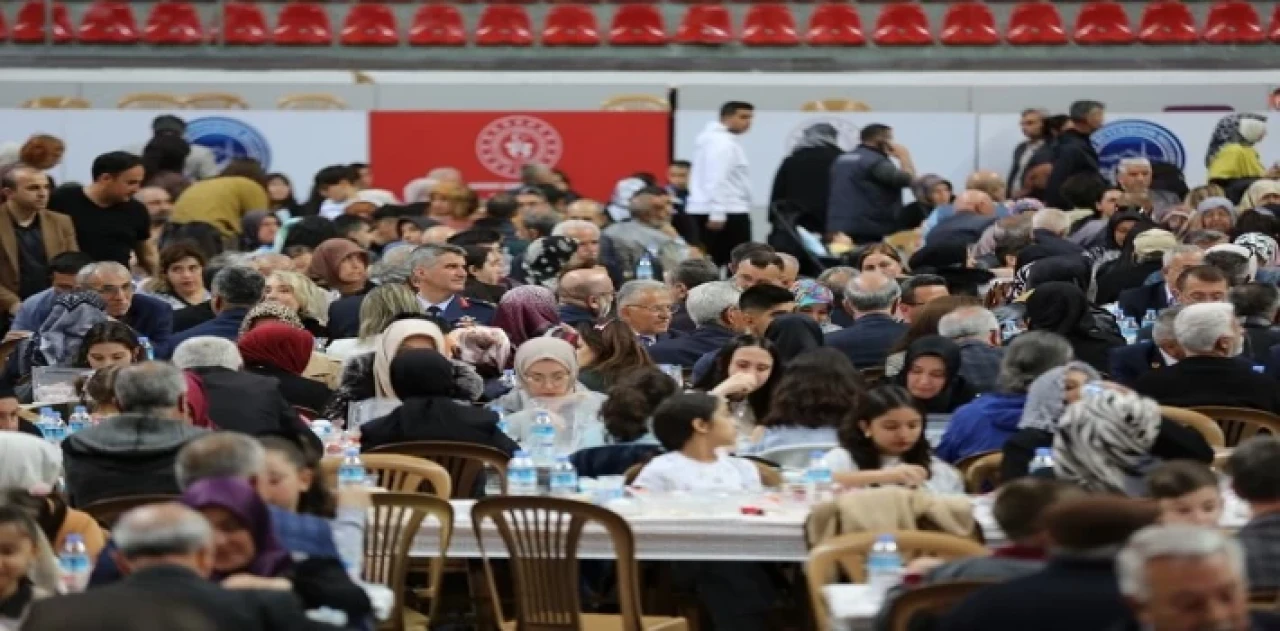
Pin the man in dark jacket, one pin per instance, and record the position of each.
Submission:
(235, 290)
(975, 211)
(1049, 228)
(871, 297)
(152, 318)
(1256, 304)
(714, 309)
(803, 180)
(866, 187)
(1074, 152)
(132, 453)
(585, 295)
(1136, 301)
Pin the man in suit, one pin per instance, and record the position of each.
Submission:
(1210, 374)
(166, 551)
(714, 309)
(646, 306)
(1128, 363)
(1136, 301)
(1256, 304)
(439, 273)
(31, 235)
(151, 317)
(585, 295)
(235, 291)
(871, 297)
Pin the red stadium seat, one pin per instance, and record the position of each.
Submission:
(1233, 22)
(370, 25)
(902, 24)
(29, 25)
(571, 25)
(303, 24)
(835, 24)
(438, 25)
(638, 25)
(1273, 31)
(769, 25)
(1167, 22)
(504, 25)
(1036, 23)
(245, 25)
(705, 24)
(4, 28)
(173, 24)
(108, 22)
(969, 24)
(1103, 22)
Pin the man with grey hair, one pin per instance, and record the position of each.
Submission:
(236, 289)
(151, 317)
(872, 298)
(1211, 373)
(393, 267)
(835, 278)
(439, 273)
(646, 306)
(587, 235)
(1187, 578)
(649, 229)
(1134, 176)
(1135, 302)
(713, 307)
(133, 452)
(205, 351)
(977, 333)
(689, 274)
(1255, 477)
(1074, 152)
(986, 423)
(1128, 363)
(1049, 228)
(1256, 305)
(239, 401)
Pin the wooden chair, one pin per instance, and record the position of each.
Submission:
(835, 105)
(57, 103)
(983, 474)
(1209, 429)
(930, 599)
(968, 461)
(465, 462)
(152, 101)
(1240, 424)
(1264, 599)
(770, 476)
(215, 101)
(394, 521)
(542, 535)
(873, 375)
(108, 512)
(635, 103)
(397, 473)
(314, 101)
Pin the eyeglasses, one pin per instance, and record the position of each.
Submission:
(107, 290)
(557, 379)
(657, 309)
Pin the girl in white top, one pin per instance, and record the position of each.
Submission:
(887, 446)
(695, 428)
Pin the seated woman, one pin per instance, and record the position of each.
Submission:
(1062, 308)
(377, 312)
(422, 381)
(342, 267)
(306, 299)
(248, 555)
(744, 374)
(258, 231)
(1047, 398)
(320, 367)
(932, 375)
(488, 349)
(547, 380)
(181, 279)
(278, 350)
(31, 570)
(886, 445)
(526, 312)
(815, 300)
(606, 352)
(109, 343)
(814, 398)
(29, 470)
(58, 340)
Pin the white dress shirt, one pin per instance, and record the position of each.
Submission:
(426, 306)
(719, 183)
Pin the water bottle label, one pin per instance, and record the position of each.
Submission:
(74, 564)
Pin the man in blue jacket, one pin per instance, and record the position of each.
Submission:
(872, 298)
(235, 290)
(152, 318)
(866, 187)
(714, 309)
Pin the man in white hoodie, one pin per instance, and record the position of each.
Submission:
(719, 184)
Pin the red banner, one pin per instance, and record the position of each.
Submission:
(594, 149)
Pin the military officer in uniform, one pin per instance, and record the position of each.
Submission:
(439, 275)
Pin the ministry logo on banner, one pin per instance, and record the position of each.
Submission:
(229, 139)
(1135, 138)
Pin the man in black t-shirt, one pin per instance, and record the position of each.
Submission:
(109, 222)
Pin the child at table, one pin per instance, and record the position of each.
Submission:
(695, 428)
(1188, 493)
(886, 445)
(28, 570)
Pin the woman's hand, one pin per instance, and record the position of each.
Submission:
(737, 385)
(249, 581)
(906, 475)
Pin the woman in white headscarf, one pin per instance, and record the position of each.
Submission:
(29, 469)
(546, 371)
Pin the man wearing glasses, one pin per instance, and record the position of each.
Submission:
(150, 317)
(647, 307)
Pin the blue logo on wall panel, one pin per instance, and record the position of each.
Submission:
(1133, 138)
(229, 138)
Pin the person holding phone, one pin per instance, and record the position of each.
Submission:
(866, 187)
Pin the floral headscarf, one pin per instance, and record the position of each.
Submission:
(1264, 248)
(546, 257)
(809, 292)
(1245, 129)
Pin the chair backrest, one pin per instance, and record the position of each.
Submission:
(151, 101)
(397, 473)
(394, 520)
(795, 456)
(968, 461)
(984, 474)
(542, 535)
(835, 105)
(1198, 421)
(1240, 424)
(311, 102)
(465, 462)
(935, 599)
(635, 103)
(215, 101)
(107, 512)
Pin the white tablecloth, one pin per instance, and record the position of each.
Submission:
(853, 607)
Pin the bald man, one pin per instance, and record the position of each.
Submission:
(988, 182)
(790, 269)
(587, 210)
(872, 298)
(586, 295)
(975, 211)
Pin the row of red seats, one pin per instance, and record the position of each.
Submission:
(966, 23)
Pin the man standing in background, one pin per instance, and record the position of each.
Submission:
(720, 185)
(866, 187)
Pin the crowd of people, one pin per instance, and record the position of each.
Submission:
(1053, 310)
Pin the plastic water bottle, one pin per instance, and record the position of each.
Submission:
(543, 437)
(884, 564)
(351, 471)
(1149, 319)
(79, 420)
(644, 269)
(509, 378)
(74, 564)
(564, 478)
(1042, 461)
(503, 425)
(522, 476)
(55, 431)
(46, 419)
(349, 541)
(148, 351)
(1129, 329)
(818, 477)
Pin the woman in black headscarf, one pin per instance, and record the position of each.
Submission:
(952, 262)
(423, 379)
(792, 335)
(1062, 308)
(800, 186)
(931, 373)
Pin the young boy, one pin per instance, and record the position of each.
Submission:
(1188, 493)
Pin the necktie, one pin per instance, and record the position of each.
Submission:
(433, 311)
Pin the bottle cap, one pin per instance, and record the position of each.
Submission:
(80, 409)
(520, 453)
(1044, 451)
(816, 453)
(75, 538)
(352, 451)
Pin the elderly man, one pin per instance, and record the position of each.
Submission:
(977, 333)
(239, 401)
(975, 211)
(587, 235)
(1128, 363)
(713, 307)
(1133, 176)
(1210, 374)
(588, 210)
(151, 317)
(132, 453)
(1137, 301)
(871, 297)
(835, 278)
(439, 272)
(648, 230)
(689, 274)
(585, 295)
(1049, 228)
(1255, 477)
(646, 306)
(235, 291)
(988, 182)
(30, 236)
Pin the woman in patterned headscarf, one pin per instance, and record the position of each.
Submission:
(546, 258)
(58, 341)
(1231, 154)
